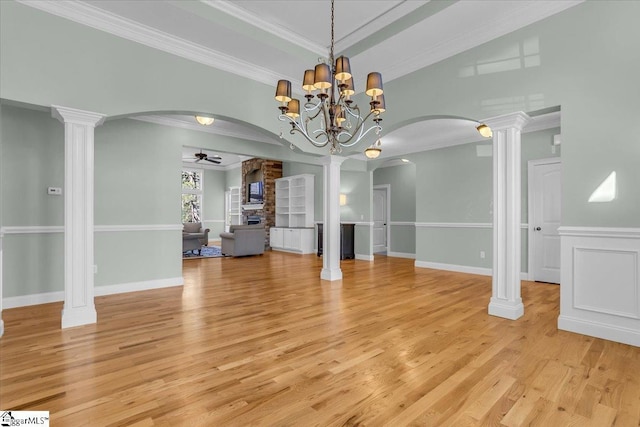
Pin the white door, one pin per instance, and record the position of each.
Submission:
(545, 222)
(379, 220)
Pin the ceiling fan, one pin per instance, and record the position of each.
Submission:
(204, 156)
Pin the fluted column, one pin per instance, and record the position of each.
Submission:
(505, 299)
(79, 126)
(331, 218)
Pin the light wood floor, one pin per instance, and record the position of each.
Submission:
(262, 341)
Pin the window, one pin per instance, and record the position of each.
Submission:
(191, 195)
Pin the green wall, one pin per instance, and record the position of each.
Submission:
(233, 177)
(137, 174)
(137, 182)
(213, 201)
(32, 160)
(402, 182)
(358, 187)
(456, 187)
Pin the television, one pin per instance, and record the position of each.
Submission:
(255, 192)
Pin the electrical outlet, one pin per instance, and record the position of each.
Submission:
(482, 254)
(95, 269)
(55, 191)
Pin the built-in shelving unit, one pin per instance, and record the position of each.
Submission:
(235, 209)
(294, 201)
(294, 214)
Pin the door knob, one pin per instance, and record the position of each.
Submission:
(538, 228)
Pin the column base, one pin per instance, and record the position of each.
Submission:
(331, 274)
(507, 309)
(78, 317)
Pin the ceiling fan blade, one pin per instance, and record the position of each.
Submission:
(217, 162)
(197, 160)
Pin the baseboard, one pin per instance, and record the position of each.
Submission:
(454, 267)
(363, 257)
(138, 286)
(483, 271)
(401, 255)
(48, 297)
(599, 330)
(33, 299)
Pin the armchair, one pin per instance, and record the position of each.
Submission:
(194, 236)
(243, 240)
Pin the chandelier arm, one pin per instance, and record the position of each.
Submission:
(313, 106)
(296, 127)
(350, 143)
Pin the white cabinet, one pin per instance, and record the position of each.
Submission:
(277, 237)
(299, 240)
(294, 214)
(234, 216)
(294, 201)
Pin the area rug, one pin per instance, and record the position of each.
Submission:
(205, 252)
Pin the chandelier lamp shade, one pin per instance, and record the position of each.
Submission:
(328, 116)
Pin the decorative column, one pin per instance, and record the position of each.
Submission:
(79, 126)
(505, 300)
(331, 218)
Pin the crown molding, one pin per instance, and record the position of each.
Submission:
(242, 14)
(94, 17)
(543, 122)
(490, 29)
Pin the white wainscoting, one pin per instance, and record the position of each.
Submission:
(600, 282)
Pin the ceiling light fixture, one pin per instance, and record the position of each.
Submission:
(485, 130)
(204, 121)
(374, 150)
(340, 123)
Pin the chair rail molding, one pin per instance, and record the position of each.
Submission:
(600, 282)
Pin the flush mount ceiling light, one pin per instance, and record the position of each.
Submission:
(485, 130)
(337, 120)
(204, 121)
(373, 151)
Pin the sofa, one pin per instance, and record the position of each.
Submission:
(194, 236)
(242, 240)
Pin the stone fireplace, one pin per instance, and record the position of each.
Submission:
(266, 171)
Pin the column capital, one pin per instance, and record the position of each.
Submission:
(73, 115)
(332, 159)
(516, 120)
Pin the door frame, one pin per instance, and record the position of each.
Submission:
(387, 188)
(531, 165)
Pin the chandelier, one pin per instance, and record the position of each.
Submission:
(332, 119)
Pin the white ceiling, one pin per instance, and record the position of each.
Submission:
(270, 40)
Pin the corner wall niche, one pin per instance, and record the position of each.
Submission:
(267, 171)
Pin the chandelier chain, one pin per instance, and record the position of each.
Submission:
(331, 51)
